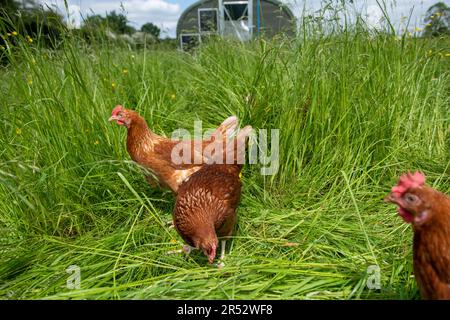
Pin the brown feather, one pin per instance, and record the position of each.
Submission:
(431, 248)
(154, 152)
(429, 212)
(206, 203)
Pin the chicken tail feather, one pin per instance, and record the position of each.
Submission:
(237, 145)
(226, 128)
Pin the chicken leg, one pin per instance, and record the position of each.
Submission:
(221, 264)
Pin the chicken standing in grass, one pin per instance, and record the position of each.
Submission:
(154, 152)
(205, 208)
(428, 211)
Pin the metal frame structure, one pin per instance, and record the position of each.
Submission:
(243, 30)
(217, 20)
(222, 12)
(191, 35)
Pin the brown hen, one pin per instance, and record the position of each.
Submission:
(205, 208)
(428, 211)
(161, 156)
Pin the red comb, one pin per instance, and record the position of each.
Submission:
(116, 110)
(409, 180)
(212, 255)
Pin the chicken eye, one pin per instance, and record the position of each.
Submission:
(411, 198)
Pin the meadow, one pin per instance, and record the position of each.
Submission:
(355, 108)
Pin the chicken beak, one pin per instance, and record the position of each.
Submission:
(390, 198)
(112, 118)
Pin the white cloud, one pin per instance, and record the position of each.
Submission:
(139, 8)
(374, 15)
(370, 9)
(153, 6)
(74, 19)
(160, 12)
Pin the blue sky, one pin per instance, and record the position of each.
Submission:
(165, 13)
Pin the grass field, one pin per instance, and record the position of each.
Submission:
(354, 109)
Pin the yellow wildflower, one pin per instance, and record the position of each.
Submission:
(417, 29)
(18, 131)
(113, 85)
(96, 142)
(29, 39)
(14, 33)
(173, 96)
(29, 80)
(240, 175)
(125, 71)
(173, 241)
(447, 54)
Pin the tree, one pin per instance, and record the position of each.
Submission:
(437, 20)
(29, 17)
(93, 27)
(151, 29)
(93, 22)
(118, 23)
(8, 7)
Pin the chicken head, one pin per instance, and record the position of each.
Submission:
(409, 195)
(120, 115)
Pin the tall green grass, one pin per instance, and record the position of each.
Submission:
(355, 108)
